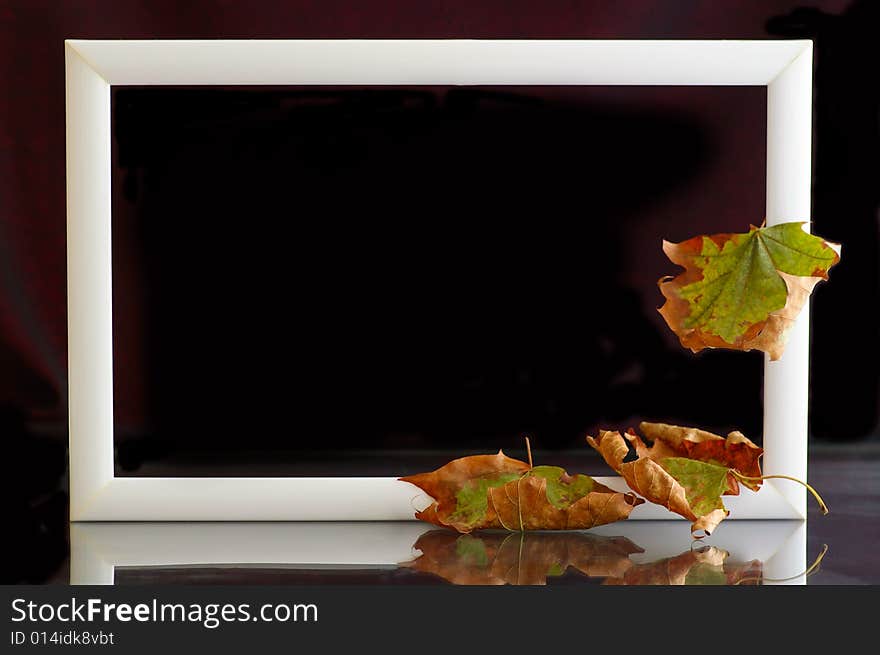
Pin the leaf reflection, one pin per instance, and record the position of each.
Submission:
(534, 558)
(703, 566)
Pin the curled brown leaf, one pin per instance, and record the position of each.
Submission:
(736, 451)
(650, 480)
(495, 491)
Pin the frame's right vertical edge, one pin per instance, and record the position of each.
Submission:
(89, 315)
(786, 381)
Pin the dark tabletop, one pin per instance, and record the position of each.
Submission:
(633, 552)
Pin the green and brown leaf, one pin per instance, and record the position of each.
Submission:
(735, 452)
(743, 291)
(496, 491)
(685, 470)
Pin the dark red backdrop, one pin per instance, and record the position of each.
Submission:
(32, 164)
(32, 183)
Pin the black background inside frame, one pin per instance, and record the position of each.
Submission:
(365, 280)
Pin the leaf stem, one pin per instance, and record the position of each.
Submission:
(522, 538)
(529, 451)
(745, 478)
(518, 503)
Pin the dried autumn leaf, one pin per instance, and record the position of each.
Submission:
(743, 291)
(735, 452)
(688, 470)
(460, 489)
(495, 491)
(704, 566)
(688, 487)
(524, 559)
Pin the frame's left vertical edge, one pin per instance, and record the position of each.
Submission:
(89, 316)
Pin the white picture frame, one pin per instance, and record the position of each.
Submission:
(98, 549)
(93, 67)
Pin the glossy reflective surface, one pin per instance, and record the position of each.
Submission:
(636, 553)
(537, 559)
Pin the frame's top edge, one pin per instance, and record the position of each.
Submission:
(440, 61)
(737, 42)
